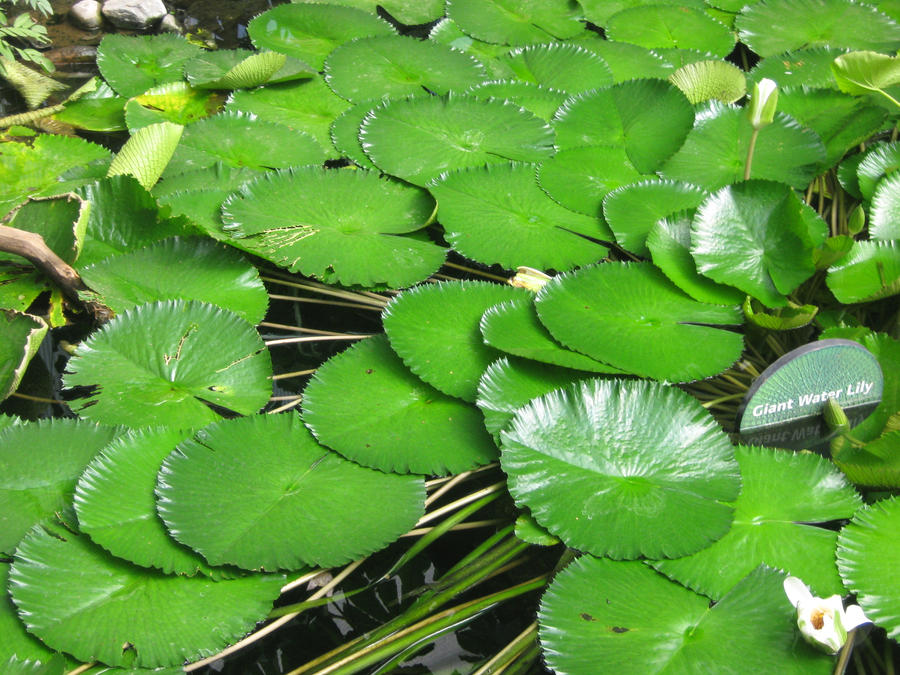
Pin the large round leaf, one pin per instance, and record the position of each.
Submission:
(393, 66)
(345, 133)
(435, 330)
(116, 503)
(617, 468)
(124, 615)
(40, 463)
(633, 621)
(783, 495)
(755, 236)
(288, 484)
(368, 406)
(516, 22)
(18, 644)
(167, 362)
(879, 161)
(133, 64)
(498, 214)
(627, 61)
(186, 269)
(566, 67)
(868, 557)
(241, 69)
(870, 271)
(147, 153)
(714, 154)
(885, 213)
(810, 67)
(706, 80)
(632, 317)
(405, 11)
(420, 138)
(535, 98)
(336, 225)
(309, 31)
(655, 26)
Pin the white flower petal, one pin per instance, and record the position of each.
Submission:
(854, 616)
(796, 591)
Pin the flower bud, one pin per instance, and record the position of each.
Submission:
(763, 102)
(835, 417)
(529, 278)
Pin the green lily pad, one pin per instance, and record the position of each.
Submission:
(777, 26)
(879, 161)
(166, 362)
(309, 31)
(884, 217)
(654, 26)
(407, 426)
(20, 286)
(596, 611)
(868, 554)
(535, 98)
(714, 153)
(99, 110)
(447, 32)
(19, 646)
(600, 11)
(133, 64)
(566, 67)
(615, 468)
(20, 337)
(707, 80)
(420, 138)
(175, 102)
(61, 221)
(649, 118)
(41, 462)
(755, 236)
(529, 531)
(877, 464)
(810, 67)
(116, 503)
(866, 72)
(516, 22)
(870, 271)
(405, 11)
(115, 603)
(238, 69)
(217, 274)
(627, 61)
(345, 133)
(783, 496)
(335, 224)
(632, 317)
(394, 66)
(289, 483)
(482, 208)
(435, 330)
(782, 318)
(147, 153)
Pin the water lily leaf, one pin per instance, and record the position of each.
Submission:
(516, 22)
(866, 72)
(880, 160)
(649, 118)
(868, 554)
(104, 111)
(682, 27)
(870, 271)
(345, 133)
(447, 32)
(20, 336)
(332, 222)
(435, 330)
(528, 530)
(884, 217)
(637, 456)
(308, 106)
(397, 66)
(784, 318)
(513, 327)
(875, 465)
(783, 495)
(510, 382)
(595, 611)
(418, 139)
(628, 61)
(706, 80)
(754, 236)
(535, 98)
(217, 274)
(809, 67)
(600, 11)
(174, 359)
(20, 286)
(777, 26)
(116, 503)
(41, 462)
(632, 211)
(632, 317)
(60, 220)
(175, 102)
(309, 31)
(235, 68)
(579, 178)
(19, 646)
(115, 603)
(147, 153)
(567, 67)
(669, 242)
(238, 139)
(407, 427)
(405, 11)
(715, 151)
(481, 208)
(133, 64)
(288, 483)
(51, 165)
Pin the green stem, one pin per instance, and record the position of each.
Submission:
(844, 656)
(750, 149)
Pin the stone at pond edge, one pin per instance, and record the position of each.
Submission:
(87, 14)
(138, 14)
(170, 24)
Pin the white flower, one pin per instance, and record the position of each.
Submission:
(763, 101)
(823, 622)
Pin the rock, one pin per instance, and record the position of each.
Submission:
(86, 14)
(170, 24)
(138, 14)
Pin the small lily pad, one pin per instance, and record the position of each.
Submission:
(870, 271)
(566, 67)
(516, 22)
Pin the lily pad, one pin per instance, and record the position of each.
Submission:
(783, 496)
(420, 138)
(627, 61)
(810, 67)
(20, 337)
(566, 67)
(61, 221)
(147, 153)
(239, 69)
(345, 133)
(654, 26)
(870, 271)
(405, 11)
(865, 72)
(615, 468)
(115, 603)
(175, 102)
(334, 223)
(288, 483)
(174, 359)
(19, 646)
(516, 22)
(884, 218)
(707, 80)
(133, 64)
(407, 426)
(498, 214)
(632, 317)
(879, 161)
(535, 98)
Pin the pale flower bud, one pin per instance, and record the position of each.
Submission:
(823, 622)
(763, 102)
(529, 278)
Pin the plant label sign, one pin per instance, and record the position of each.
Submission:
(783, 408)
